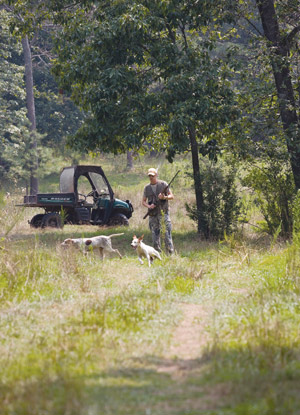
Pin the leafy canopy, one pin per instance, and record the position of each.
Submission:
(14, 126)
(144, 69)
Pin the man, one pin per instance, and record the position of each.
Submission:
(156, 200)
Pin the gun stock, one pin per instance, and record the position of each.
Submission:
(147, 214)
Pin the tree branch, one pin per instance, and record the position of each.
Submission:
(254, 27)
(171, 33)
(184, 36)
(292, 34)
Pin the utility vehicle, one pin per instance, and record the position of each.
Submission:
(85, 197)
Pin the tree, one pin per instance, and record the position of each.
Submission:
(51, 113)
(129, 163)
(279, 39)
(14, 125)
(29, 102)
(267, 54)
(30, 112)
(144, 69)
(56, 115)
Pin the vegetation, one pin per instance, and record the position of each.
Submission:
(222, 206)
(14, 135)
(79, 335)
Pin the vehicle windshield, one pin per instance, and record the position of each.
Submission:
(100, 184)
(67, 180)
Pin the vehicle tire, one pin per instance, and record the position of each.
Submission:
(52, 220)
(118, 219)
(36, 221)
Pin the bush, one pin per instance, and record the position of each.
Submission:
(274, 189)
(221, 202)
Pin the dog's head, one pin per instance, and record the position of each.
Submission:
(68, 242)
(136, 241)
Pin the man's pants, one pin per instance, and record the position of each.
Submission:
(155, 227)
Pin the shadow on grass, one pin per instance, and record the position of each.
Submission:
(156, 386)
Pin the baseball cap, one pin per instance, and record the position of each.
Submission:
(152, 172)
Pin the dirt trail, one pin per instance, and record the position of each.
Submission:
(188, 342)
(190, 337)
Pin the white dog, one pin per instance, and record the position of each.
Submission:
(101, 242)
(144, 250)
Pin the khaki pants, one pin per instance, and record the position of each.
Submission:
(155, 227)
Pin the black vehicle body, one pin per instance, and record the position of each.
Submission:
(96, 207)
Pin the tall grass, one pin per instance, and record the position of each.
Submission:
(256, 343)
(81, 336)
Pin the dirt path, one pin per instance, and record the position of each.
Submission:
(190, 337)
(188, 342)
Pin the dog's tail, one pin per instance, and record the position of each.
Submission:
(115, 234)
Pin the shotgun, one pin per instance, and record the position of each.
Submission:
(164, 191)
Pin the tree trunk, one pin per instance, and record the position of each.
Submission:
(31, 113)
(129, 165)
(279, 53)
(202, 222)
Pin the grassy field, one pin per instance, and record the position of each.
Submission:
(212, 330)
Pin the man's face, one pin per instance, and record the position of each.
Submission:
(153, 178)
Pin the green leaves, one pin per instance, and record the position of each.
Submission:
(14, 129)
(136, 66)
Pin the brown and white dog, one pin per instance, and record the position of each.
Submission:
(101, 243)
(144, 250)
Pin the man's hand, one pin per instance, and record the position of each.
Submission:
(162, 196)
(152, 206)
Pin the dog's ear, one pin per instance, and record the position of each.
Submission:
(134, 237)
(141, 238)
(67, 241)
(88, 242)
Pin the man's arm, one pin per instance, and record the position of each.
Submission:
(169, 196)
(144, 203)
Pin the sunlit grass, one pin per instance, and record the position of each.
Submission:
(83, 336)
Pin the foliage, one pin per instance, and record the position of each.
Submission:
(17, 152)
(222, 203)
(56, 115)
(14, 129)
(269, 78)
(296, 215)
(274, 193)
(161, 76)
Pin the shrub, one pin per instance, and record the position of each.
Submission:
(221, 201)
(274, 192)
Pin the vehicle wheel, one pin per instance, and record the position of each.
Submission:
(52, 220)
(118, 219)
(36, 221)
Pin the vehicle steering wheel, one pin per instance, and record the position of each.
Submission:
(94, 194)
